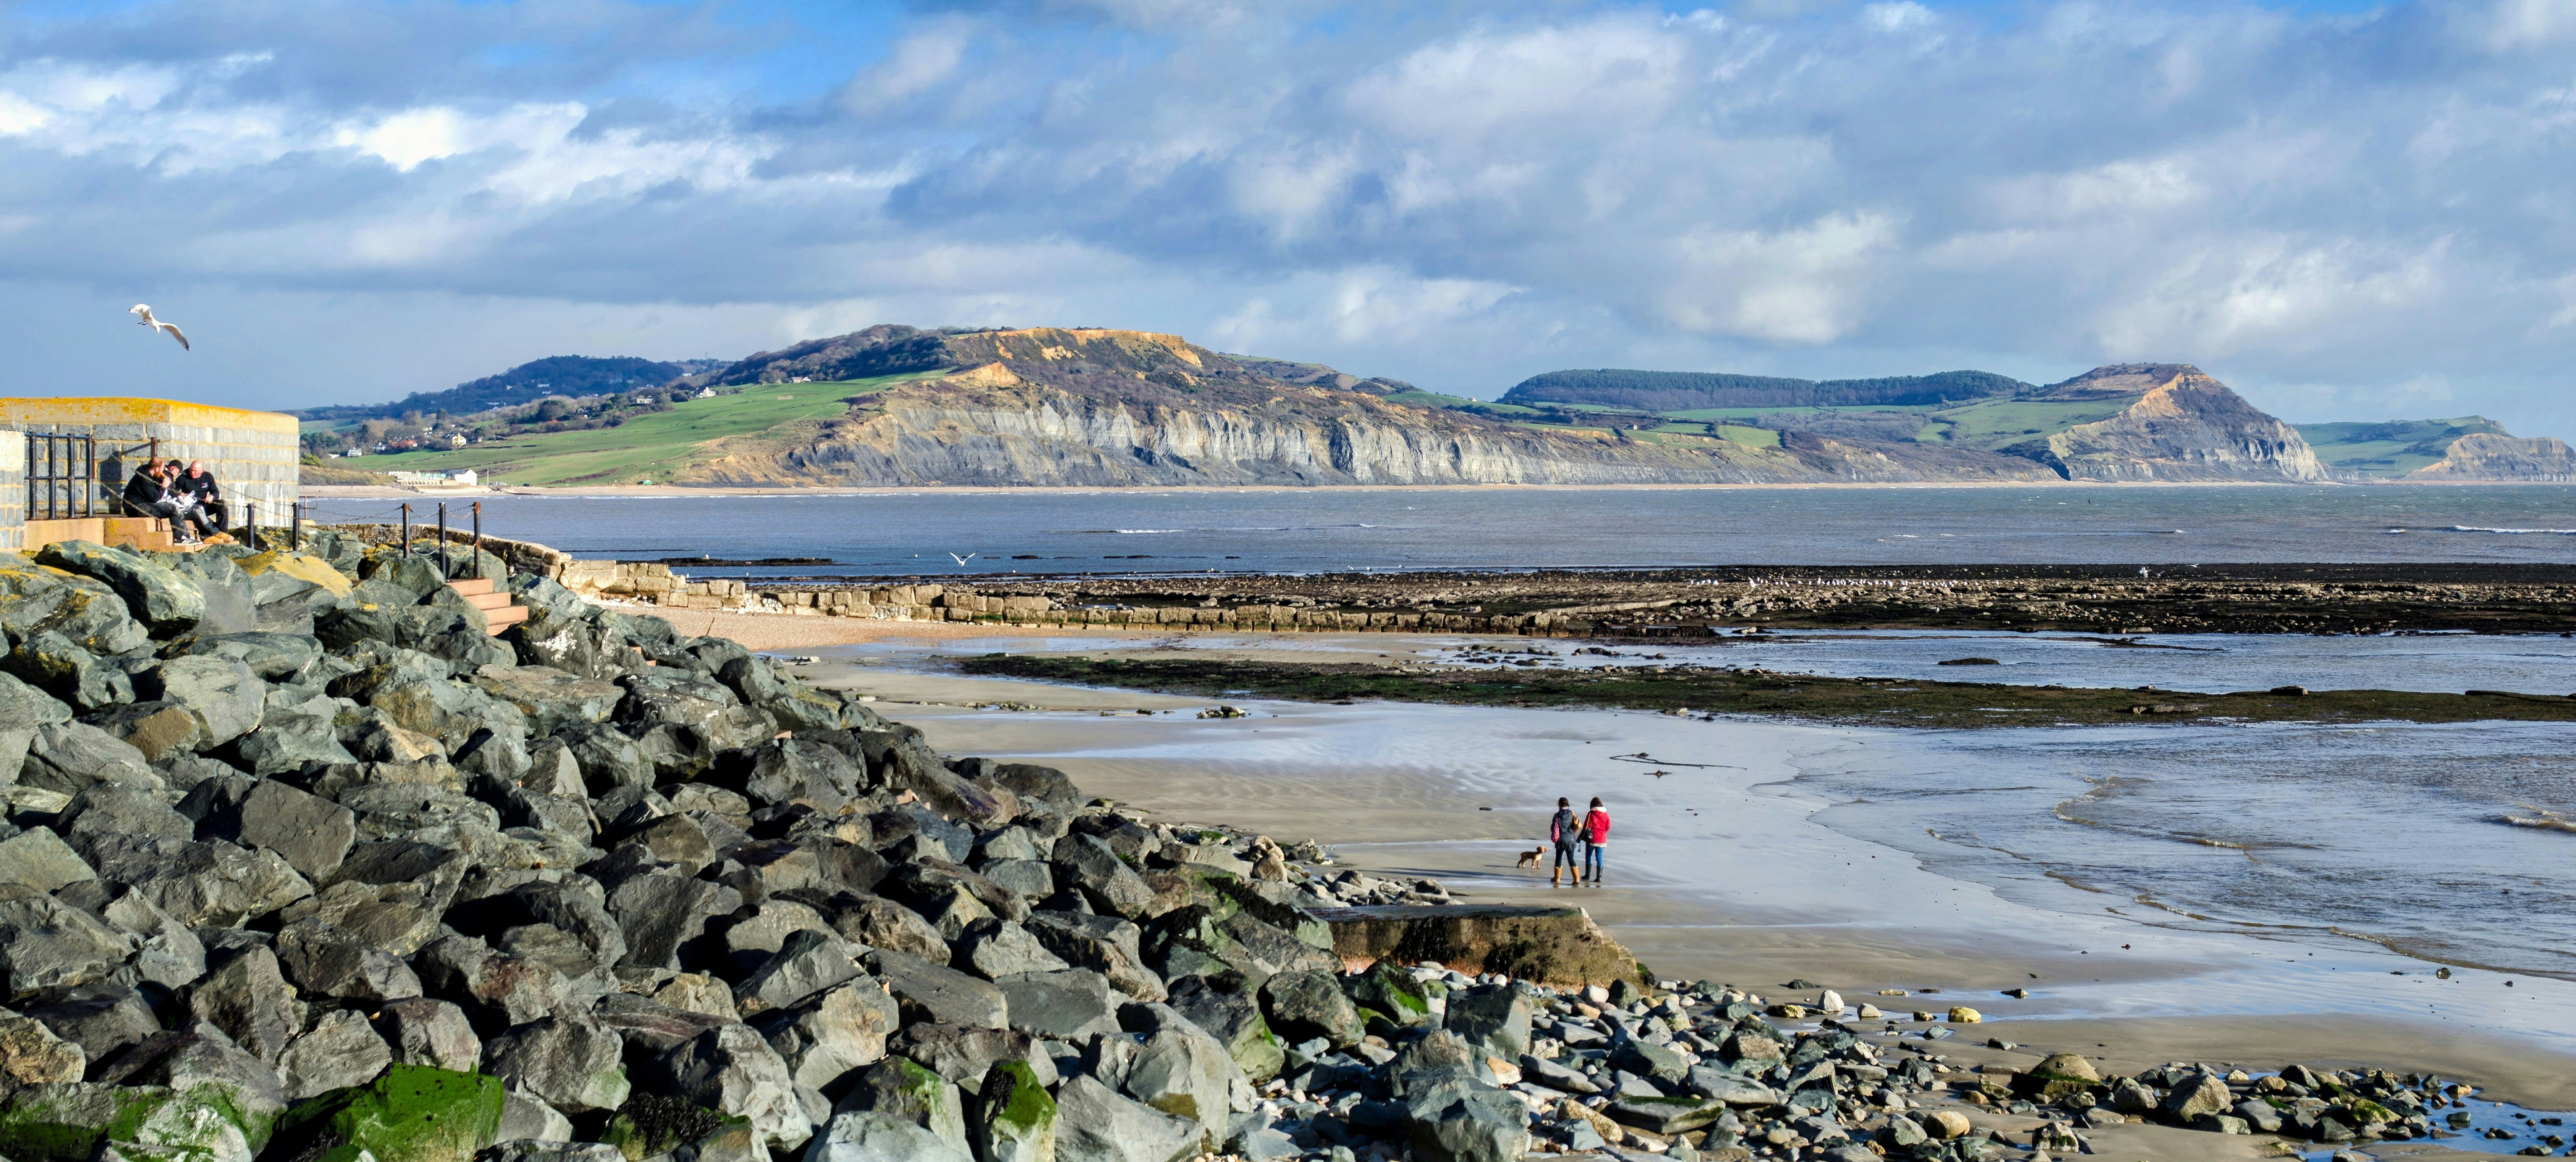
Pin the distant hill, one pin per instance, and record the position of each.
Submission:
(566, 375)
(2390, 450)
(896, 405)
(1674, 391)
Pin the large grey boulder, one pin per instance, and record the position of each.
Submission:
(570, 1060)
(1015, 1118)
(496, 991)
(829, 1037)
(82, 609)
(929, 992)
(168, 954)
(807, 962)
(870, 1136)
(1463, 1122)
(69, 756)
(882, 923)
(23, 710)
(312, 834)
(1072, 1006)
(1084, 862)
(222, 693)
(1095, 1124)
(911, 1092)
(154, 594)
(659, 911)
(792, 771)
(326, 961)
(996, 948)
(41, 860)
(607, 757)
(249, 999)
(1104, 944)
(341, 1049)
(54, 664)
(1301, 1005)
(430, 1032)
(200, 883)
(395, 917)
(105, 810)
(1180, 1069)
(104, 1018)
(45, 943)
(963, 1054)
(1234, 1019)
(275, 657)
(732, 1071)
(291, 735)
(551, 699)
(1495, 1018)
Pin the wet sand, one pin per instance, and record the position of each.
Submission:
(1722, 874)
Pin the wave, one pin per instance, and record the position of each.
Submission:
(2515, 532)
(2545, 821)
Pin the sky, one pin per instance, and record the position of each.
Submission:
(2346, 211)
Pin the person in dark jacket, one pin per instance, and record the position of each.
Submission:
(205, 493)
(1565, 831)
(157, 491)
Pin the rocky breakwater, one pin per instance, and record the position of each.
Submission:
(301, 863)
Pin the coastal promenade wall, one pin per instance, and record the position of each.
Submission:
(251, 454)
(657, 585)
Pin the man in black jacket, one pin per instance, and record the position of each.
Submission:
(205, 493)
(158, 491)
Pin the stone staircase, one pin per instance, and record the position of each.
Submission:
(500, 609)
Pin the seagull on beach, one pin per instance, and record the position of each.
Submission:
(157, 325)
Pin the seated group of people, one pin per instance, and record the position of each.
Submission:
(185, 495)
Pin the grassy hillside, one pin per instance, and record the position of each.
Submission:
(2391, 449)
(651, 447)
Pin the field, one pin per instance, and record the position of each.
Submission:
(2390, 449)
(649, 448)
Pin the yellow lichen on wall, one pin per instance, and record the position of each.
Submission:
(69, 409)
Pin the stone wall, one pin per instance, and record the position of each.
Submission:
(13, 490)
(251, 454)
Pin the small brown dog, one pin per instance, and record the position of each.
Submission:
(1529, 859)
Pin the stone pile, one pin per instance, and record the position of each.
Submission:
(300, 863)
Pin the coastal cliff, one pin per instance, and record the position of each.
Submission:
(1083, 407)
(2181, 426)
(2488, 457)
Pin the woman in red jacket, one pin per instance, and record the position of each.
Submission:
(1596, 835)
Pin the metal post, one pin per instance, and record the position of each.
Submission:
(406, 528)
(295, 525)
(250, 521)
(478, 540)
(442, 540)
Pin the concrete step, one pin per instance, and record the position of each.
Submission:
(490, 601)
(471, 586)
(505, 617)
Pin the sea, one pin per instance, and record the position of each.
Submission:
(975, 533)
(2421, 846)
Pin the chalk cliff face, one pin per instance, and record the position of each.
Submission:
(2183, 426)
(1093, 408)
(2487, 457)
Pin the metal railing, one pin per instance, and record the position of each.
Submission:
(62, 478)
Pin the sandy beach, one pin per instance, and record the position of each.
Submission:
(1718, 870)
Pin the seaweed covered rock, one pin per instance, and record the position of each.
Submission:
(414, 1113)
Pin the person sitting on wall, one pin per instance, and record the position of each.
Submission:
(157, 491)
(206, 494)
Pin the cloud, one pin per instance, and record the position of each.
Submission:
(2328, 207)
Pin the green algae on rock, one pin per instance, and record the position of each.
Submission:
(68, 1121)
(1760, 693)
(414, 1113)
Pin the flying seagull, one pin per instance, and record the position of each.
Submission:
(157, 325)
(961, 561)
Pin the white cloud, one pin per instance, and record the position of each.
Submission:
(1456, 195)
